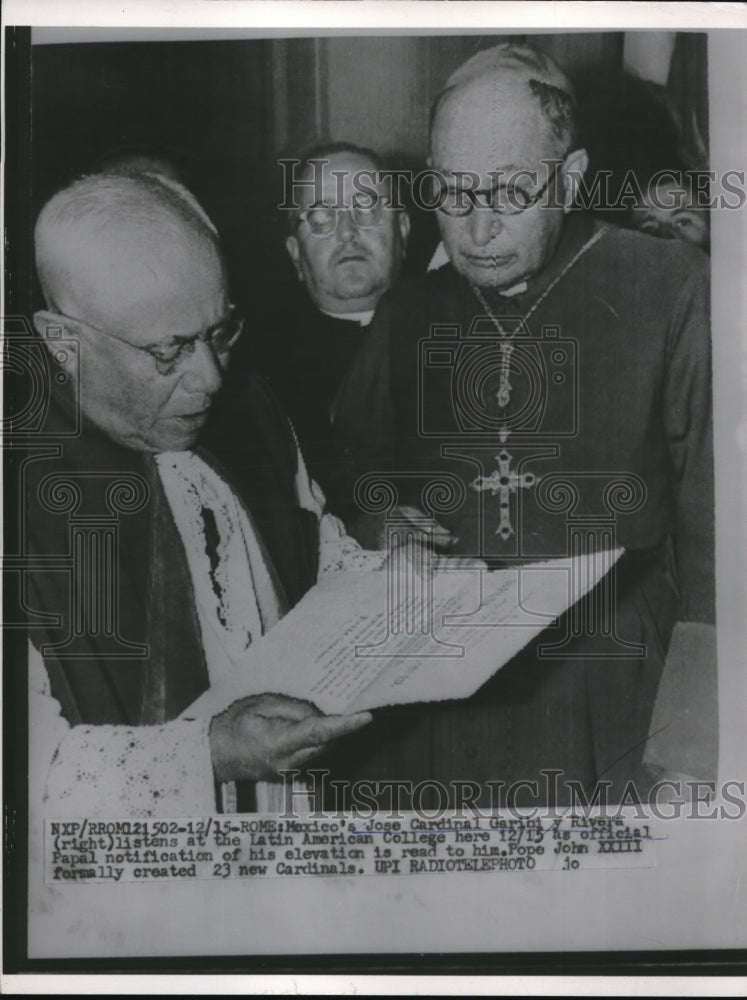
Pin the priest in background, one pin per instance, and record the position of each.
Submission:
(347, 244)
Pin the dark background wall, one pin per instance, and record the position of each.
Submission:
(230, 107)
(227, 109)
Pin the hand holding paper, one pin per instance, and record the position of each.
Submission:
(258, 736)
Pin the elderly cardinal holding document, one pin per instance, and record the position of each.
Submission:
(183, 555)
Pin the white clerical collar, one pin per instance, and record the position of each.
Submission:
(517, 289)
(364, 317)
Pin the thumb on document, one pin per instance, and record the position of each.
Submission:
(258, 736)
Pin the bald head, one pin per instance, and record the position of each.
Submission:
(131, 268)
(523, 76)
(106, 224)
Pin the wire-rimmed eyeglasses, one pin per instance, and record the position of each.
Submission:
(504, 199)
(220, 338)
(365, 211)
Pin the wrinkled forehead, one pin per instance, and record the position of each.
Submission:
(338, 178)
(489, 123)
(122, 281)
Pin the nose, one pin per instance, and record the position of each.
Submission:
(346, 227)
(483, 224)
(202, 373)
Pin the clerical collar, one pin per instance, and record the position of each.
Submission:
(364, 317)
(517, 289)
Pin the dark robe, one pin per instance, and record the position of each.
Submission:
(98, 523)
(304, 354)
(610, 417)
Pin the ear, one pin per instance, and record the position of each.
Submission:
(52, 327)
(574, 168)
(404, 228)
(61, 338)
(294, 252)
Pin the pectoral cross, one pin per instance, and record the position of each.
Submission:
(503, 395)
(502, 482)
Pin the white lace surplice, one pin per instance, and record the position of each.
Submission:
(166, 770)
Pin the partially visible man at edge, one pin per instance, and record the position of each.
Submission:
(347, 244)
(669, 209)
(621, 416)
(215, 543)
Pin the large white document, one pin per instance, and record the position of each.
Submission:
(362, 640)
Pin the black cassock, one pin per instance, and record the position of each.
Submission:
(569, 417)
(304, 355)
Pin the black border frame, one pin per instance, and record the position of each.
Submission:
(17, 266)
